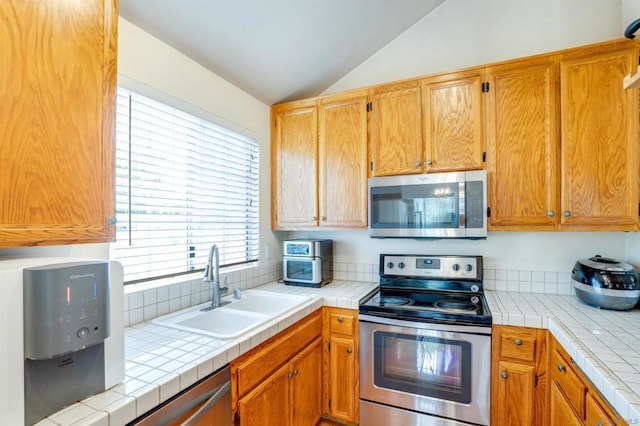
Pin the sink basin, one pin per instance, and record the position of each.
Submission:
(236, 318)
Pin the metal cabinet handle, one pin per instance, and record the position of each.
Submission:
(518, 342)
(561, 367)
(112, 220)
(566, 213)
(504, 375)
(418, 163)
(429, 162)
(551, 213)
(340, 319)
(323, 218)
(313, 218)
(295, 372)
(349, 350)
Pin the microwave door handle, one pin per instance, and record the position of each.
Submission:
(461, 205)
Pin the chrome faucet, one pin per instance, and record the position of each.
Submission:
(212, 275)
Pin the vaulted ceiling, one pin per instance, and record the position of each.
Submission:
(277, 50)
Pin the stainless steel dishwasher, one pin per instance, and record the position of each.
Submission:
(206, 403)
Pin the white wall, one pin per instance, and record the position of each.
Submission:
(462, 33)
(148, 61)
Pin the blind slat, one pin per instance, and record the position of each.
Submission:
(182, 184)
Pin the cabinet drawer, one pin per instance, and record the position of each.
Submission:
(567, 379)
(519, 345)
(342, 323)
(253, 367)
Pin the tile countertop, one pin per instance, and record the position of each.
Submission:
(161, 361)
(604, 344)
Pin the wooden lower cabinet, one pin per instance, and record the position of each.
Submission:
(572, 398)
(560, 410)
(280, 381)
(341, 366)
(519, 376)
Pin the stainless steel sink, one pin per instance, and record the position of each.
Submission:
(229, 321)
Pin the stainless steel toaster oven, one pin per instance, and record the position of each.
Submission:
(307, 263)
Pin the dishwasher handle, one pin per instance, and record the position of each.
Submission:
(214, 397)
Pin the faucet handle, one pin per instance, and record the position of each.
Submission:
(225, 287)
(206, 271)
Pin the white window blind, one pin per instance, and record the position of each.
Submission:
(182, 184)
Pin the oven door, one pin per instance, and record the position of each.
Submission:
(302, 270)
(429, 368)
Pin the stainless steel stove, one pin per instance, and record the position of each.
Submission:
(425, 343)
(441, 289)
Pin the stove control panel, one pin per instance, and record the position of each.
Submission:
(439, 267)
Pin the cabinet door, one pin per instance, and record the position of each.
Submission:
(599, 122)
(515, 384)
(294, 151)
(58, 67)
(342, 378)
(268, 404)
(522, 145)
(306, 385)
(560, 412)
(342, 171)
(453, 122)
(396, 130)
(596, 414)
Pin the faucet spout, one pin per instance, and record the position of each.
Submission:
(212, 275)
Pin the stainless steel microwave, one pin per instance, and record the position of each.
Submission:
(437, 205)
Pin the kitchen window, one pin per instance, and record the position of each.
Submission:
(182, 184)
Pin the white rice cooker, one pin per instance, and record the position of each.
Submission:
(606, 283)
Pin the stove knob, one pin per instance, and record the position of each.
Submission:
(401, 265)
(390, 265)
(456, 267)
(468, 267)
(475, 288)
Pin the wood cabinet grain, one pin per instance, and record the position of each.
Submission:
(523, 145)
(341, 365)
(453, 121)
(58, 66)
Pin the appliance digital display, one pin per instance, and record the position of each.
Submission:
(426, 263)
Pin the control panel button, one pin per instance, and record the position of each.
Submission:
(83, 332)
(456, 267)
(468, 267)
(390, 265)
(401, 265)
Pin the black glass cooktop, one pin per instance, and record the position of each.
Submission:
(428, 306)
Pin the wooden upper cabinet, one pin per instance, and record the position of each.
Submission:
(342, 159)
(58, 65)
(294, 152)
(599, 139)
(397, 146)
(453, 121)
(522, 144)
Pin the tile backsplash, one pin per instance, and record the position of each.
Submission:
(143, 303)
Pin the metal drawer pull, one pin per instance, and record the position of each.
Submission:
(340, 319)
(567, 213)
(504, 375)
(349, 350)
(518, 342)
(551, 213)
(418, 163)
(561, 367)
(202, 411)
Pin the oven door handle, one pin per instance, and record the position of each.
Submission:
(427, 326)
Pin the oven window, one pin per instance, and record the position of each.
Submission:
(299, 269)
(415, 206)
(429, 366)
